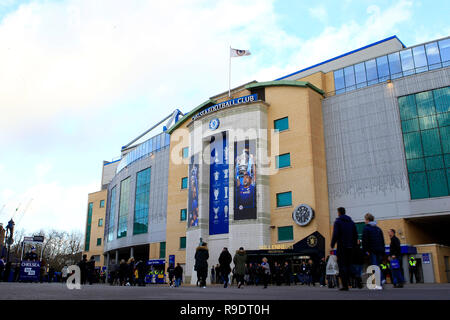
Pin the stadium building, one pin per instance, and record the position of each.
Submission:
(266, 167)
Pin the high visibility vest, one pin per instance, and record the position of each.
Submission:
(383, 266)
(412, 263)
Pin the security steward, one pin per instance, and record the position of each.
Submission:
(413, 270)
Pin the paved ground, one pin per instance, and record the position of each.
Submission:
(46, 291)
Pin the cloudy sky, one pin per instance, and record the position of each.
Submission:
(81, 78)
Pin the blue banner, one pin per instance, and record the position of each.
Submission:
(193, 210)
(30, 271)
(219, 186)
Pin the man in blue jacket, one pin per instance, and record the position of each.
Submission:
(346, 237)
(373, 241)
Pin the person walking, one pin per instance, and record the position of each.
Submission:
(141, 268)
(90, 268)
(332, 271)
(213, 275)
(321, 270)
(303, 272)
(240, 260)
(201, 263)
(345, 236)
(395, 248)
(265, 272)
(397, 277)
(83, 268)
(413, 270)
(2, 267)
(178, 273)
(171, 272)
(64, 273)
(287, 273)
(310, 271)
(373, 243)
(217, 272)
(122, 272)
(357, 265)
(130, 271)
(225, 269)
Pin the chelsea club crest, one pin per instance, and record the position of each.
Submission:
(214, 124)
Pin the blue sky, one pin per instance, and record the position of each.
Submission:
(79, 79)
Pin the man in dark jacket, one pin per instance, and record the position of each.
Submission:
(141, 267)
(171, 272)
(90, 268)
(395, 248)
(345, 236)
(83, 268)
(178, 272)
(201, 263)
(322, 271)
(373, 242)
(240, 259)
(287, 273)
(224, 262)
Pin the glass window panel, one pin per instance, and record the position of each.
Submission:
(443, 119)
(432, 163)
(123, 207)
(415, 165)
(285, 233)
(395, 66)
(437, 182)
(167, 139)
(448, 179)
(444, 48)
(420, 60)
(284, 199)
(445, 138)
(410, 125)
(434, 59)
(413, 145)
(349, 75)
(281, 124)
(431, 142)
(442, 99)
(407, 62)
(339, 79)
(184, 182)
(185, 152)
(383, 68)
(407, 107)
(183, 214)
(447, 161)
(100, 222)
(158, 142)
(283, 160)
(360, 73)
(182, 242)
(418, 185)
(371, 71)
(428, 122)
(162, 250)
(425, 104)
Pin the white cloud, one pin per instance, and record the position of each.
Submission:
(333, 41)
(319, 12)
(49, 205)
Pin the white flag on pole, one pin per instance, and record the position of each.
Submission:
(239, 53)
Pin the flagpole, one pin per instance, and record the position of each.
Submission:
(229, 74)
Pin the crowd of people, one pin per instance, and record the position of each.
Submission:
(341, 269)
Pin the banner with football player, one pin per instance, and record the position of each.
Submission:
(245, 180)
(193, 209)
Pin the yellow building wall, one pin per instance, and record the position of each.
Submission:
(96, 230)
(178, 197)
(438, 253)
(316, 79)
(306, 178)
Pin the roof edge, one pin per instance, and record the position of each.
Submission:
(189, 114)
(341, 56)
(290, 83)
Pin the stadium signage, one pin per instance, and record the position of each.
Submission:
(226, 104)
